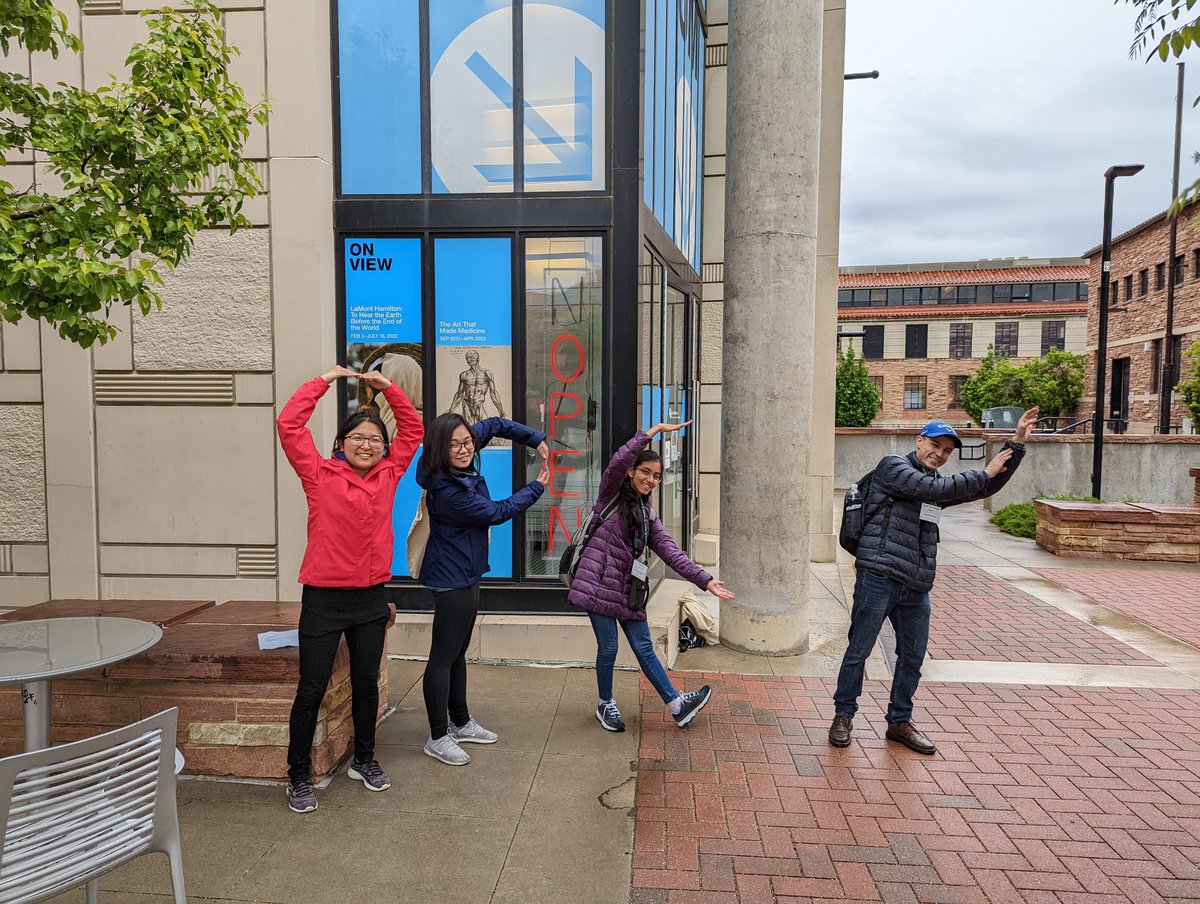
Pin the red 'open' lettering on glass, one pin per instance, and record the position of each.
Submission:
(557, 516)
(567, 337)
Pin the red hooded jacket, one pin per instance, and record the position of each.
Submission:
(350, 541)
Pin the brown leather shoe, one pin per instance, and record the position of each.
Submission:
(906, 733)
(839, 731)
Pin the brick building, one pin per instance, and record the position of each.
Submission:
(928, 326)
(1137, 320)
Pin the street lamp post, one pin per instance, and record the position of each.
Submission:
(1110, 175)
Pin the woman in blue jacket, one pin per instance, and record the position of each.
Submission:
(461, 510)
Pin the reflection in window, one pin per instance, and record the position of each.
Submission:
(564, 304)
(914, 393)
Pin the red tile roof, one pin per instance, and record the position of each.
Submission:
(963, 311)
(1076, 273)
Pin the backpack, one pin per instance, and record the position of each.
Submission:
(568, 564)
(854, 516)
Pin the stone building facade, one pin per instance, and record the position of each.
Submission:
(1137, 321)
(928, 326)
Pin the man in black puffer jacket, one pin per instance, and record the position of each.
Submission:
(896, 563)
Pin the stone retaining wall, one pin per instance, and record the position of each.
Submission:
(1159, 533)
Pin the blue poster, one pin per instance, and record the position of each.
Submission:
(383, 290)
(379, 84)
(473, 285)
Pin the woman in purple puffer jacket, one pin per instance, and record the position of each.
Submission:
(610, 582)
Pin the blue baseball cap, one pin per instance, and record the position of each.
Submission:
(939, 428)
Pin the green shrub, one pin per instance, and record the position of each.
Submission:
(1018, 519)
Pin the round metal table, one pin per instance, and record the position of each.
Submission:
(34, 652)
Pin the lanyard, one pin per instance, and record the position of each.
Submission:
(645, 533)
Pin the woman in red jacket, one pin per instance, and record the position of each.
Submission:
(346, 562)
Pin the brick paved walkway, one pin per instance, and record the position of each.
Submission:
(1167, 600)
(979, 617)
(1037, 796)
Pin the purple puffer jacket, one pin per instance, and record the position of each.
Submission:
(601, 583)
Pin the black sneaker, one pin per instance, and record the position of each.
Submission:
(301, 798)
(370, 775)
(609, 716)
(693, 702)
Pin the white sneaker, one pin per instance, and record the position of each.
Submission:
(446, 750)
(472, 733)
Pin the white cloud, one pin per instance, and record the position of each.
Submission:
(991, 126)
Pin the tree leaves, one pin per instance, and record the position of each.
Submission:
(1053, 383)
(144, 166)
(857, 397)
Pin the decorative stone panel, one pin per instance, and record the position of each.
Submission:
(23, 477)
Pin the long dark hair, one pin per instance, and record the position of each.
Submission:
(630, 503)
(437, 442)
(359, 417)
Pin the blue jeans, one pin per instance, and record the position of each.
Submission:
(877, 598)
(638, 635)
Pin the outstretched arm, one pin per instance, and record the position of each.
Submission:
(499, 426)
(467, 507)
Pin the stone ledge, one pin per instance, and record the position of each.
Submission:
(1138, 531)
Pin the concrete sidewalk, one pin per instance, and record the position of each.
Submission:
(1064, 697)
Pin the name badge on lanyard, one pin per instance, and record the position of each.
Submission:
(931, 512)
(640, 569)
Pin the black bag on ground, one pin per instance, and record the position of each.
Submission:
(854, 514)
(568, 564)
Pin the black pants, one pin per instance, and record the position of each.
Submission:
(326, 613)
(445, 683)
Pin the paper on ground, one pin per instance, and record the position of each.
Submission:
(274, 640)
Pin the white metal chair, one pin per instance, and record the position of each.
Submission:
(72, 813)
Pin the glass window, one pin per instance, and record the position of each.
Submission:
(564, 306)
(957, 382)
(960, 340)
(1128, 287)
(862, 298)
(1043, 292)
(471, 96)
(379, 80)
(966, 294)
(844, 298)
(1007, 336)
(916, 340)
(1002, 293)
(949, 295)
(383, 328)
(914, 393)
(983, 294)
(564, 116)
(895, 297)
(877, 379)
(1196, 263)
(1144, 281)
(1054, 335)
(1021, 291)
(872, 345)
(1160, 276)
(1156, 365)
(912, 295)
(1066, 291)
(878, 298)
(472, 285)
(930, 295)
(1114, 292)
(1180, 268)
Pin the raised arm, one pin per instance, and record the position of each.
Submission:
(292, 425)
(899, 479)
(409, 428)
(618, 466)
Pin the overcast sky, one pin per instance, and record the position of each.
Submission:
(990, 127)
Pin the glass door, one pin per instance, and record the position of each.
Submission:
(675, 407)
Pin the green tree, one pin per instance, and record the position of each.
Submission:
(857, 395)
(1053, 383)
(144, 165)
(994, 384)
(1189, 386)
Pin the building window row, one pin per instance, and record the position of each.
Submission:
(1160, 278)
(1001, 292)
(1005, 344)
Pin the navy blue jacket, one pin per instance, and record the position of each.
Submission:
(461, 510)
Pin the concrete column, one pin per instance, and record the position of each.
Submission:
(829, 200)
(772, 175)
